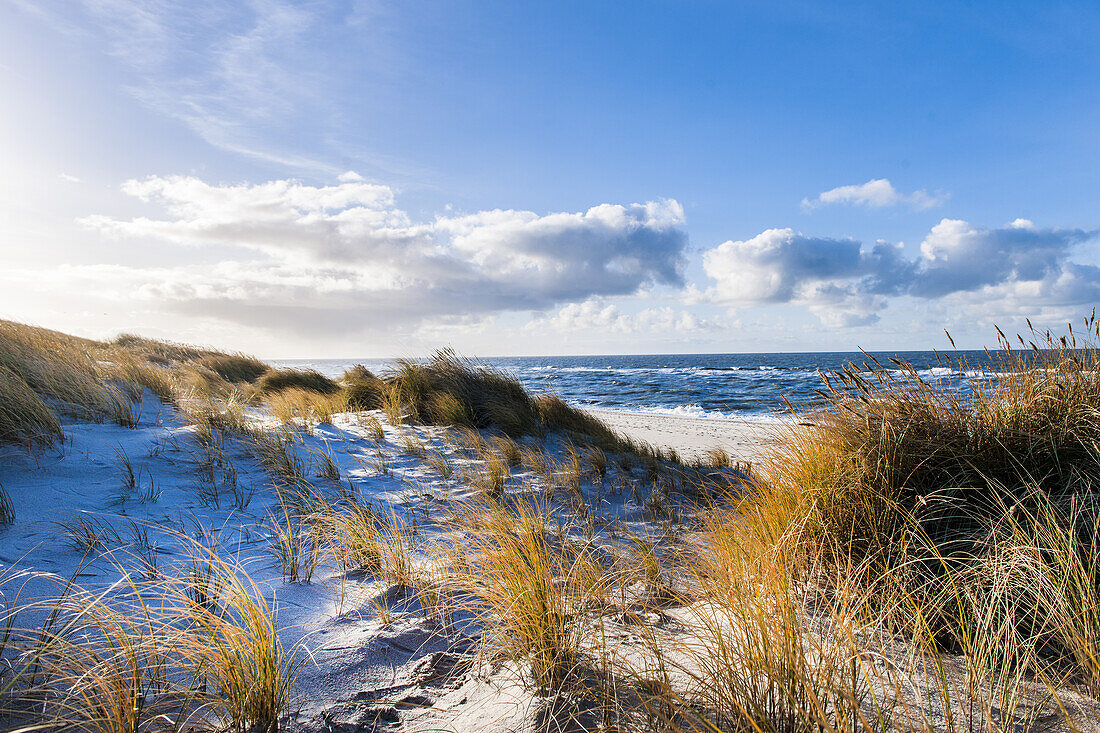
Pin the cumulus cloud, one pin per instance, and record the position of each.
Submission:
(333, 256)
(846, 284)
(771, 267)
(956, 256)
(875, 193)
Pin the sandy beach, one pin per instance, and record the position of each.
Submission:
(692, 437)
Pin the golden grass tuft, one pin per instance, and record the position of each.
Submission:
(278, 380)
(303, 408)
(448, 390)
(235, 367)
(374, 428)
(526, 590)
(144, 655)
(967, 523)
(360, 538)
(294, 545)
(363, 390)
(24, 417)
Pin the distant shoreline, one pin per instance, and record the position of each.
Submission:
(692, 437)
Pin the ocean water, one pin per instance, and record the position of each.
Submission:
(724, 386)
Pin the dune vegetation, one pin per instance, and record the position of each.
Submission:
(908, 557)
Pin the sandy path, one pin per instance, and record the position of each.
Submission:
(693, 436)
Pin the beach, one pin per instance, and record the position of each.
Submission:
(692, 437)
(435, 548)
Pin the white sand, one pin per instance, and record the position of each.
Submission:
(360, 671)
(693, 436)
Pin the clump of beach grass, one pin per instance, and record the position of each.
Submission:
(308, 380)
(142, 655)
(448, 390)
(1031, 417)
(525, 590)
(491, 477)
(235, 367)
(964, 521)
(58, 367)
(275, 451)
(88, 534)
(372, 426)
(352, 536)
(303, 408)
(439, 463)
(24, 417)
(362, 389)
(412, 445)
(294, 545)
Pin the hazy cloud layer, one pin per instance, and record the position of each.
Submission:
(336, 257)
(876, 193)
(846, 284)
(595, 314)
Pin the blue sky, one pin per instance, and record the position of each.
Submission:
(361, 179)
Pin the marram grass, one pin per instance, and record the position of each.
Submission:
(144, 655)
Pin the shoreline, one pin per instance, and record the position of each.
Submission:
(692, 437)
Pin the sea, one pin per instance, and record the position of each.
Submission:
(720, 386)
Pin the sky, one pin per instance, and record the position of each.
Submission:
(364, 179)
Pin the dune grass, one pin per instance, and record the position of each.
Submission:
(24, 417)
(143, 655)
(46, 375)
(57, 368)
(363, 390)
(526, 590)
(303, 408)
(293, 545)
(966, 523)
(912, 558)
(235, 367)
(900, 472)
(308, 380)
(448, 390)
(379, 542)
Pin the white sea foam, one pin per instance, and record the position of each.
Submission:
(693, 411)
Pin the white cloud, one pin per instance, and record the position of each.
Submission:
(68, 178)
(344, 256)
(876, 193)
(771, 266)
(845, 284)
